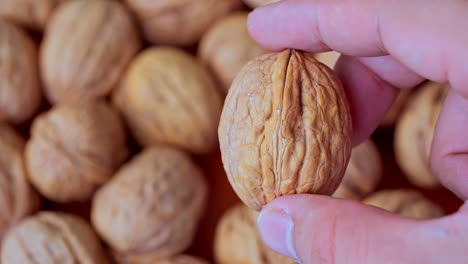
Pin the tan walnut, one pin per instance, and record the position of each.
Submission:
(285, 128)
(227, 46)
(177, 259)
(237, 240)
(168, 97)
(405, 202)
(414, 132)
(151, 208)
(257, 3)
(329, 58)
(87, 45)
(363, 173)
(20, 93)
(179, 22)
(16, 195)
(398, 106)
(33, 14)
(74, 149)
(52, 238)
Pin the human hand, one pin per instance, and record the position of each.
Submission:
(389, 45)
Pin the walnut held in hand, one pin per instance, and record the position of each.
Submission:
(168, 97)
(74, 149)
(52, 238)
(179, 22)
(33, 14)
(285, 128)
(16, 195)
(87, 45)
(20, 93)
(414, 132)
(237, 240)
(257, 3)
(227, 47)
(404, 202)
(363, 172)
(151, 208)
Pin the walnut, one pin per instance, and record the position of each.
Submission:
(33, 14)
(74, 149)
(87, 45)
(168, 97)
(414, 132)
(408, 203)
(257, 3)
(237, 240)
(179, 22)
(227, 47)
(151, 208)
(363, 173)
(178, 259)
(393, 114)
(329, 58)
(52, 238)
(285, 128)
(17, 197)
(20, 93)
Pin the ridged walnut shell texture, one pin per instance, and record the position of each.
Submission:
(179, 22)
(168, 97)
(405, 202)
(227, 47)
(178, 259)
(87, 45)
(33, 14)
(74, 149)
(151, 208)
(17, 199)
(257, 3)
(414, 133)
(20, 93)
(363, 173)
(285, 129)
(237, 240)
(52, 238)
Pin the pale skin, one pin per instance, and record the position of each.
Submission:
(388, 45)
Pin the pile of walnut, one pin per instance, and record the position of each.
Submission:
(105, 103)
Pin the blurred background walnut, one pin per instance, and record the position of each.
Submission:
(237, 240)
(74, 149)
(52, 238)
(414, 132)
(363, 172)
(86, 47)
(33, 14)
(17, 199)
(257, 3)
(179, 22)
(227, 46)
(408, 203)
(151, 208)
(20, 93)
(394, 113)
(168, 97)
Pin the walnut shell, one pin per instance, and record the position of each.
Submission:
(168, 97)
(363, 173)
(227, 46)
(17, 199)
(33, 14)
(151, 208)
(52, 238)
(408, 203)
(329, 58)
(179, 22)
(20, 93)
(87, 45)
(178, 259)
(394, 113)
(237, 240)
(414, 132)
(285, 128)
(257, 3)
(74, 149)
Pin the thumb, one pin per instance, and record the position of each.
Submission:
(315, 229)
